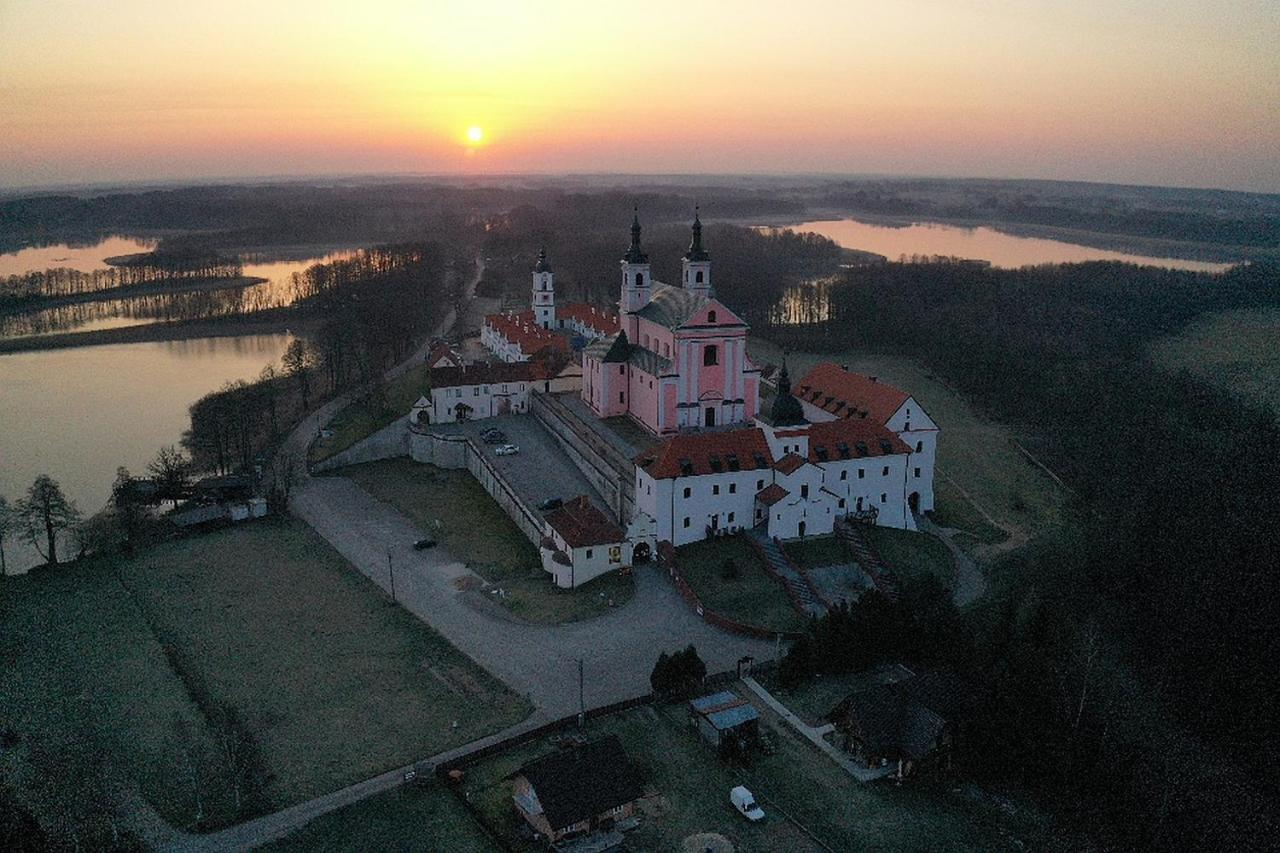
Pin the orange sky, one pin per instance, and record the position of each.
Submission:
(1174, 92)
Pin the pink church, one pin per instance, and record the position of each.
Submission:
(679, 359)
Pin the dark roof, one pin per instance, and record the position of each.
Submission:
(611, 348)
(486, 373)
(542, 265)
(635, 254)
(904, 718)
(786, 409)
(696, 252)
(583, 781)
(649, 361)
(581, 524)
(672, 306)
(691, 454)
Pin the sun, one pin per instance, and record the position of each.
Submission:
(475, 135)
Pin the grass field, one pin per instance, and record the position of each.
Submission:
(471, 525)
(974, 452)
(336, 683)
(816, 552)
(425, 816)
(690, 788)
(1235, 350)
(912, 555)
(364, 417)
(754, 597)
(813, 699)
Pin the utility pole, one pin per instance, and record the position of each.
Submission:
(391, 571)
(582, 708)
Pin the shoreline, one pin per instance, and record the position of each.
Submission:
(272, 322)
(136, 291)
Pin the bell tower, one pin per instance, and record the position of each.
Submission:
(544, 292)
(637, 284)
(696, 273)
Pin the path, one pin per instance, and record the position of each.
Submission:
(968, 582)
(815, 735)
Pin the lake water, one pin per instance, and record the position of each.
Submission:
(78, 414)
(986, 244)
(85, 258)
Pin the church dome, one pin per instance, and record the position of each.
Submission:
(786, 409)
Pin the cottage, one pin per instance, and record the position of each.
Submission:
(909, 723)
(477, 391)
(582, 543)
(577, 790)
(725, 720)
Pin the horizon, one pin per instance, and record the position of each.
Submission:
(1161, 95)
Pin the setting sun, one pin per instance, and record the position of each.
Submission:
(475, 135)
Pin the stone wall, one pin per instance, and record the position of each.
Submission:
(612, 475)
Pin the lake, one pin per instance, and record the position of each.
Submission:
(85, 258)
(78, 414)
(981, 243)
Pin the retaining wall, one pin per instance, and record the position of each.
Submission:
(612, 475)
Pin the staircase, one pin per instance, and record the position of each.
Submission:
(852, 535)
(798, 589)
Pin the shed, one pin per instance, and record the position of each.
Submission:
(725, 720)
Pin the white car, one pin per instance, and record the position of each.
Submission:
(746, 804)
(506, 450)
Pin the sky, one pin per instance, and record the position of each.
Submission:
(1178, 92)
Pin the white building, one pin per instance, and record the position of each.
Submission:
(829, 392)
(477, 391)
(582, 543)
(785, 476)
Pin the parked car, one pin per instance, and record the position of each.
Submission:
(506, 450)
(551, 503)
(424, 544)
(746, 804)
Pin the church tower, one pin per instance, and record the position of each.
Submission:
(697, 263)
(544, 293)
(637, 285)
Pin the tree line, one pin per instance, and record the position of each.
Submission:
(149, 268)
(1131, 653)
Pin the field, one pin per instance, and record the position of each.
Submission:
(1235, 350)
(365, 416)
(690, 794)
(981, 476)
(911, 555)
(469, 523)
(424, 816)
(753, 597)
(816, 552)
(130, 658)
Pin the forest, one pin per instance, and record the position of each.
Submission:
(1130, 658)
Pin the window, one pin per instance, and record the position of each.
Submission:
(666, 350)
(804, 492)
(917, 472)
(844, 475)
(715, 490)
(731, 518)
(908, 425)
(697, 277)
(475, 392)
(710, 356)
(885, 472)
(919, 446)
(622, 398)
(588, 553)
(686, 521)
(639, 279)
(622, 369)
(841, 503)
(733, 488)
(883, 497)
(687, 491)
(862, 475)
(759, 485)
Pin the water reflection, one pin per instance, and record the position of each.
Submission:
(807, 302)
(987, 244)
(76, 414)
(86, 257)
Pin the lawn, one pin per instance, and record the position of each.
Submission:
(910, 555)
(692, 795)
(951, 508)
(813, 699)
(1235, 350)
(815, 552)
(456, 509)
(365, 416)
(974, 452)
(335, 682)
(423, 816)
(753, 597)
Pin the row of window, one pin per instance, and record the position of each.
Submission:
(477, 390)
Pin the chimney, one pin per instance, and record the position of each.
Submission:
(873, 379)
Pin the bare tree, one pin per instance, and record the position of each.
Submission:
(6, 523)
(297, 363)
(45, 513)
(172, 471)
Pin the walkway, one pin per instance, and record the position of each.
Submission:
(968, 584)
(799, 586)
(815, 735)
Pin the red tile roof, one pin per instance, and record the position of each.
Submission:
(771, 494)
(581, 525)
(601, 321)
(487, 372)
(442, 352)
(789, 464)
(521, 330)
(854, 434)
(834, 389)
(692, 454)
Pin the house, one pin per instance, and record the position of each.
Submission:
(906, 723)
(443, 355)
(577, 790)
(477, 391)
(725, 720)
(582, 543)
(829, 392)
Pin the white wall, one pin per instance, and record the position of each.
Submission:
(923, 433)
(486, 400)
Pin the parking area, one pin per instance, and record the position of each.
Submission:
(541, 470)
